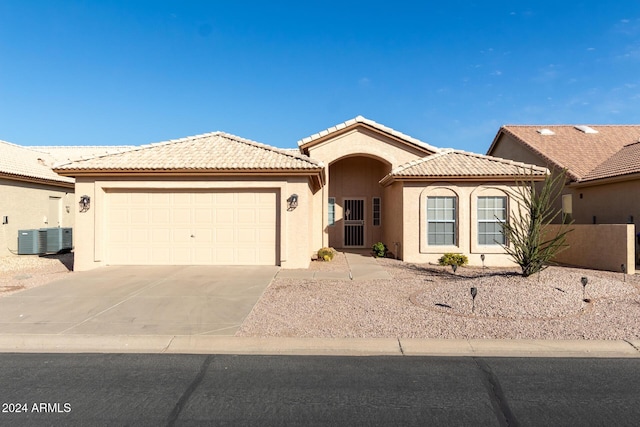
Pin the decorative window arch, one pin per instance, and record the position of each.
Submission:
(439, 220)
(489, 209)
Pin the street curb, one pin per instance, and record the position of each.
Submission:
(207, 344)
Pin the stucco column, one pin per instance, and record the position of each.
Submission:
(325, 209)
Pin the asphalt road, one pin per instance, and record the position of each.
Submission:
(133, 389)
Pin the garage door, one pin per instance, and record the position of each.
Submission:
(190, 227)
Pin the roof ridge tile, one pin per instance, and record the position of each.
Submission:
(214, 151)
(372, 123)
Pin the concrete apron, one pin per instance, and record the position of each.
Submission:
(139, 300)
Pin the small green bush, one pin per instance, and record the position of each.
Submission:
(326, 254)
(379, 250)
(451, 259)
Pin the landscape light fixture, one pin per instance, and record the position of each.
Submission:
(584, 281)
(474, 292)
(84, 203)
(624, 272)
(482, 258)
(454, 267)
(292, 202)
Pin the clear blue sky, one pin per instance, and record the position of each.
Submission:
(449, 72)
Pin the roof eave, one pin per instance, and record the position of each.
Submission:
(605, 180)
(187, 172)
(387, 180)
(36, 180)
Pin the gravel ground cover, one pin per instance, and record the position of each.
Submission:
(427, 301)
(22, 272)
(421, 301)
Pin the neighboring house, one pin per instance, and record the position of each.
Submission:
(63, 154)
(602, 164)
(220, 199)
(32, 196)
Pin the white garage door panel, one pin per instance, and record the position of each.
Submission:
(197, 227)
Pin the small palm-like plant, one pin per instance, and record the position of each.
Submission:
(527, 240)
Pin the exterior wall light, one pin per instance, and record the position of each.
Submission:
(292, 202)
(85, 203)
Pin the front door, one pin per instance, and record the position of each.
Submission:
(353, 223)
(55, 208)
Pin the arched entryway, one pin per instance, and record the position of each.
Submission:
(355, 201)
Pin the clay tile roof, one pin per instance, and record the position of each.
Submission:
(461, 164)
(371, 123)
(624, 162)
(573, 149)
(64, 154)
(24, 163)
(215, 151)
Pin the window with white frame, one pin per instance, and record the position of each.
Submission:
(376, 210)
(441, 220)
(492, 213)
(331, 211)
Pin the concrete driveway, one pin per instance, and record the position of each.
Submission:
(139, 300)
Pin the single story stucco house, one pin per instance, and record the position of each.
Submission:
(220, 199)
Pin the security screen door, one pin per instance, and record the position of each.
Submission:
(353, 223)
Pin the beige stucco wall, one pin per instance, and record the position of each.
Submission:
(508, 147)
(27, 207)
(414, 231)
(392, 217)
(361, 141)
(317, 219)
(600, 247)
(294, 240)
(612, 203)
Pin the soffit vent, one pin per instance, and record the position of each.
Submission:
(586, 129)
(546, 132)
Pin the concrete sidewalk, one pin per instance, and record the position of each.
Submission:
(207, 344)
(362, 266)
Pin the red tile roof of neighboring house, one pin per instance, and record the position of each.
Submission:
(624, 162)
(567, 147)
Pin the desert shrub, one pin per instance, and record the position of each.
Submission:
(451, 259)
(528, 243)
(379, 250)
(326, 254)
